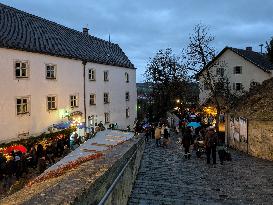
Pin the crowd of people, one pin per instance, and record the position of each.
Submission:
(20, 164)
(211, 141)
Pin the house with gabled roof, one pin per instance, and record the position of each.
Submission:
(243, 68)
(50, 73)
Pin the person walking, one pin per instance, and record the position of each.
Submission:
(166, 137)
(186, 141)
(211, 143)
(157, 136)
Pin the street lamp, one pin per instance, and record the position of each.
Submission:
(178, 101)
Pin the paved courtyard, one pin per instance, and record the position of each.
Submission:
(165, 177)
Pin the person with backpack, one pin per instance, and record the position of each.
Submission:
(210, 144)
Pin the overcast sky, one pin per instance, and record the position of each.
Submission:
(141, 27)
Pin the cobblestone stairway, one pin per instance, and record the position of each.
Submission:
(165, 177)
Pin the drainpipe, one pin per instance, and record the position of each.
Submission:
(247, 129)
(84, 96)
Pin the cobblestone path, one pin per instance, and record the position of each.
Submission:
(165, 177)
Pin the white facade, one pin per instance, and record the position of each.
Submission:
(69, 82)
(249, 73)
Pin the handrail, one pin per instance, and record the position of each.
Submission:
(109, 191)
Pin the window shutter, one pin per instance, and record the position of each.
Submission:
(234, 86)
(234, 70)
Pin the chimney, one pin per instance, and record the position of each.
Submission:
(85, 30)
(248, 48)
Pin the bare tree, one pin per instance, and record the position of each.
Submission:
(201, 58)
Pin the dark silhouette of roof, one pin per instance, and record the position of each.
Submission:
(258, 59)
(22, 31)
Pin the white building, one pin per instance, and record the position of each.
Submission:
(243, 68)
(49, 72)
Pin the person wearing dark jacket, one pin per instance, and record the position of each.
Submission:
(186, 141)
(210, 144)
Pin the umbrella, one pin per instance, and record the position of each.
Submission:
(11, 148)
(194, 124)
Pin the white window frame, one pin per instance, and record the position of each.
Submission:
(92, 74)
(22, 70)
(94, 99)
(106, 98)
(24, 107)
(106, 117)
(74, 101)
(127, 77)
(106, 75)
(127, 112)
(51, 102)
(53, 71)
(127, 96)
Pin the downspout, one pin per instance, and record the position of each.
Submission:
(247, 129)
(84, 97)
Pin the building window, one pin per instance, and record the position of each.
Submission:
(253, 84)
(127, 96)
(74, 101)
(106, 98)
(107, 117)
(237, 70)
(127, 112)
(21, 69)
(106, 75)
(92, 99)
(237, 86)
(220, 72)
(51, 102)
(22, 105)
(126, 77)
(50, 71)
(92, 74)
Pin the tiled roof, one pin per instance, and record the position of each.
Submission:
(258, 59)
(23, 31)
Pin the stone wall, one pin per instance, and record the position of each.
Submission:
(88, 183)
(259, 141)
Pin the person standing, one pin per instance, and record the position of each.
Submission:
(211, 143)
(157, 136)
(186, 141)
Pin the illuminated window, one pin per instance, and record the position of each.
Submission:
(22, 105)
